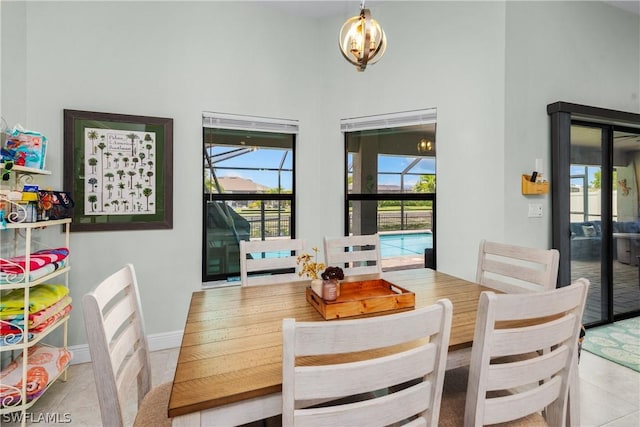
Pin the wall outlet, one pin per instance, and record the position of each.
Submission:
(535, 210)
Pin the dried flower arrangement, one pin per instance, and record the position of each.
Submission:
(310, 266)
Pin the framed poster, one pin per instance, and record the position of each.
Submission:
(119, 171)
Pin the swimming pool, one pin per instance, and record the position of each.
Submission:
(401, 244)
(391, 245)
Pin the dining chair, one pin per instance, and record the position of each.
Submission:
(265, 262)
(354, 254)
(531, 390)
(516, 269)
(120, 353)
(311, 373)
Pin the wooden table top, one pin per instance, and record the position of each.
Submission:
(232, 344)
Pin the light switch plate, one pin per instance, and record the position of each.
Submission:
(535, 210)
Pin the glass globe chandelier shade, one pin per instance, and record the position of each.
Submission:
(424, 146)
(362, 40)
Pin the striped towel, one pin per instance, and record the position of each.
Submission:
(12, 278)
(39, 259)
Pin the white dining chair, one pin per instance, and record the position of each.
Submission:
(119, 352)
(522, 391)
(354, 254)
(419, 366)
(516, 269)
(509, 269)
(265, 262)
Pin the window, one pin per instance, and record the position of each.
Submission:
(391, 185)
(248, 188)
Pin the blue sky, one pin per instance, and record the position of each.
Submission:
(579, 170)
(271, 158)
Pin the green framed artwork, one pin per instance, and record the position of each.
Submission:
(119, 171)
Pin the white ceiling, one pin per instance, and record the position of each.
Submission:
(628, 5)
(324, 8)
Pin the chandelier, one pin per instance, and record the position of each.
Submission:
(424, 146)
(362, 40)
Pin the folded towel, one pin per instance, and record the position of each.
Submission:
(11, 339)
(39, 316)
(40, 297)
(9, 328)
(44, 364)
(52, 319)
(13, 278)
(10, 334)
(38, 259)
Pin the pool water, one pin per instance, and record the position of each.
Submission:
(391, 245)
(401, 244)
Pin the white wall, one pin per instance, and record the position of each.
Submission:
(448, 55)
(13, 63)
(579, 52)
(177, 59)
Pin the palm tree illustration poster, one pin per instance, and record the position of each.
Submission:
(120, 172)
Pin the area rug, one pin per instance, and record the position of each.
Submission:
(618, 342)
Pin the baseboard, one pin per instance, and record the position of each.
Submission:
(157, 342)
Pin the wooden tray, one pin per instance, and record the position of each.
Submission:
(365, 297)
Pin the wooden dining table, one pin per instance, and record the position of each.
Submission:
(229, 368)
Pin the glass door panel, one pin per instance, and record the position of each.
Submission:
(585, 215)
(596, 206)
(615, 275)
(626, 222)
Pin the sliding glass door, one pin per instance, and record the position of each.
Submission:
(596, 206)
(625, 222)
(604, 178)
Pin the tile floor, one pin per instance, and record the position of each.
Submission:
(610, 394)
(626, 293)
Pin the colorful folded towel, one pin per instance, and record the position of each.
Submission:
(38, 259)
(39, 316)
(51, 320)
(44, 364)
(7, 328)
(13, 278)
(40, 297)
(11, 339)
(11, 334)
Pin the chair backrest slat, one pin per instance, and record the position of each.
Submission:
(535, 338)
(352, 378)
(118, 315)
(356, 255)
(265, 262)
(523, 403)
(516, 269)
(509, 375)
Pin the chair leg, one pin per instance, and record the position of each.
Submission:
(573, 400)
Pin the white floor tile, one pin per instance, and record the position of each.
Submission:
(631, 420)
